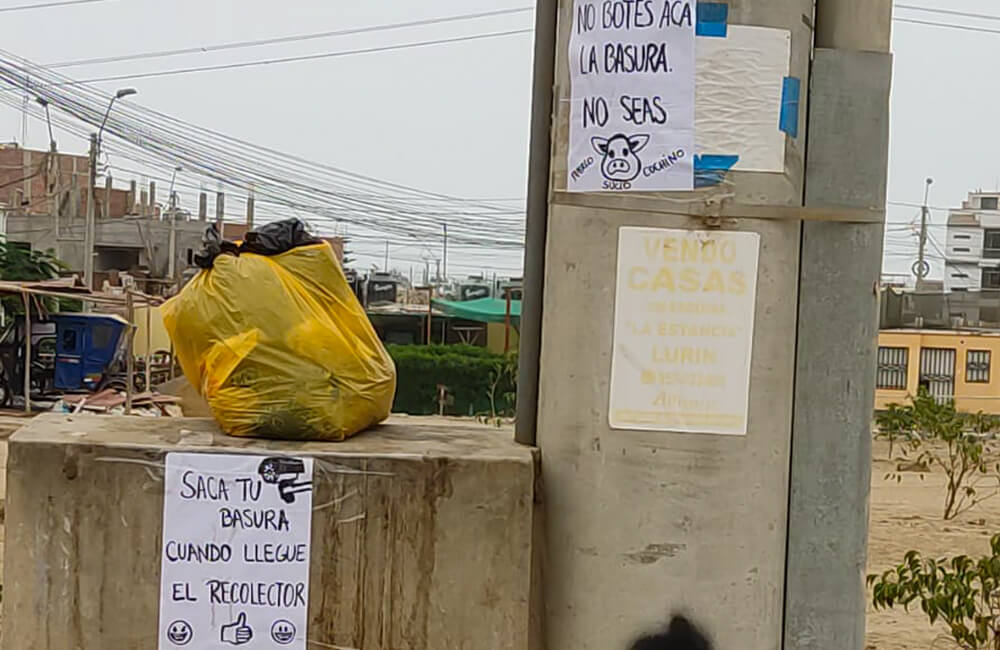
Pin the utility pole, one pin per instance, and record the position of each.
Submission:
(645, 492)
(90, 227)
(172, 247)
(386, 265)
(922, 268)
(445, 253)
(172, 215)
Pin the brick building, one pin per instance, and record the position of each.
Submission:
(45, 195)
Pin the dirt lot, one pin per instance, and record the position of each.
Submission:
(908, 516)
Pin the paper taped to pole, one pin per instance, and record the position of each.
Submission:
(684, 314)
(632, 68)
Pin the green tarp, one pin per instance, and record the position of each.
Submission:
(483, 310)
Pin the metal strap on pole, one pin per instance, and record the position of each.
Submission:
(718, 207)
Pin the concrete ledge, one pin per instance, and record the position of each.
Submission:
(422, 534)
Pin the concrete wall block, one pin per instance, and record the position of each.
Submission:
(421, 535)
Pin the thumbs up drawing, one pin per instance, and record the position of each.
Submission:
(237, 632)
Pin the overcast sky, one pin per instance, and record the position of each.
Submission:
(454, 118)
(449, 118)
(943, 121)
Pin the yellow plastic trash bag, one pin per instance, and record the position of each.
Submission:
(280, 347)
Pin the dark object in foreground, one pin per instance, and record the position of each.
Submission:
(681, 634)
(270, 239)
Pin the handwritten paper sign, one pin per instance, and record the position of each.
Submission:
(632, 70)
(235, 557)
(684, 311)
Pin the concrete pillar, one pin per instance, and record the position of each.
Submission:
(422, 535)
(27, 169)
(220, 210)
(643, 523)
(106, 213)
(838, 327)
(863, 25)
(152, 198)
(202, 207)
(74, 197)
(132, 196)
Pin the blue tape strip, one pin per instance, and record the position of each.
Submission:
(712, 19)
(789, 121)
(710, 169)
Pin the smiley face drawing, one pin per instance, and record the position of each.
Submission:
(282, 632)
(179, 633)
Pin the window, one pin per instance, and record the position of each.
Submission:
(102, 336)
(991, 278)
(977, 367)
(988, 203)
(991, 243)
(961, 250)
(963, 236)
(892, 368)
(960, 275)
(69, 340)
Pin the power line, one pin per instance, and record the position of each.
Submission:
(906, 204)
(930, 23)
(288, 39)
(47, 5)
(949, 12)
(330, 194)
(307, 57)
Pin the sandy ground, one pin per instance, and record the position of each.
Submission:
(907, 516)
(904, 516)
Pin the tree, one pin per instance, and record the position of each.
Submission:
(953, 442)
(961, 593)
(19, 263)
(895, 424)
(502, 389)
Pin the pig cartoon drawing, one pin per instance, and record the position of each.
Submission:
(620, 160)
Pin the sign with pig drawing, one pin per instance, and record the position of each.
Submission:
(632, 66)
(235, 552)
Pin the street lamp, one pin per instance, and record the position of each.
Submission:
(44, 103)
(90, 226)
(122, 92)
(173, 179)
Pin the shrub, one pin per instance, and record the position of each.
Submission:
(950, 441)
(468, 372)
(961, 593)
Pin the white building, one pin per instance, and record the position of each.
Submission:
(972, 251)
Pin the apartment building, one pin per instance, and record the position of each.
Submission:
(972, 248)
